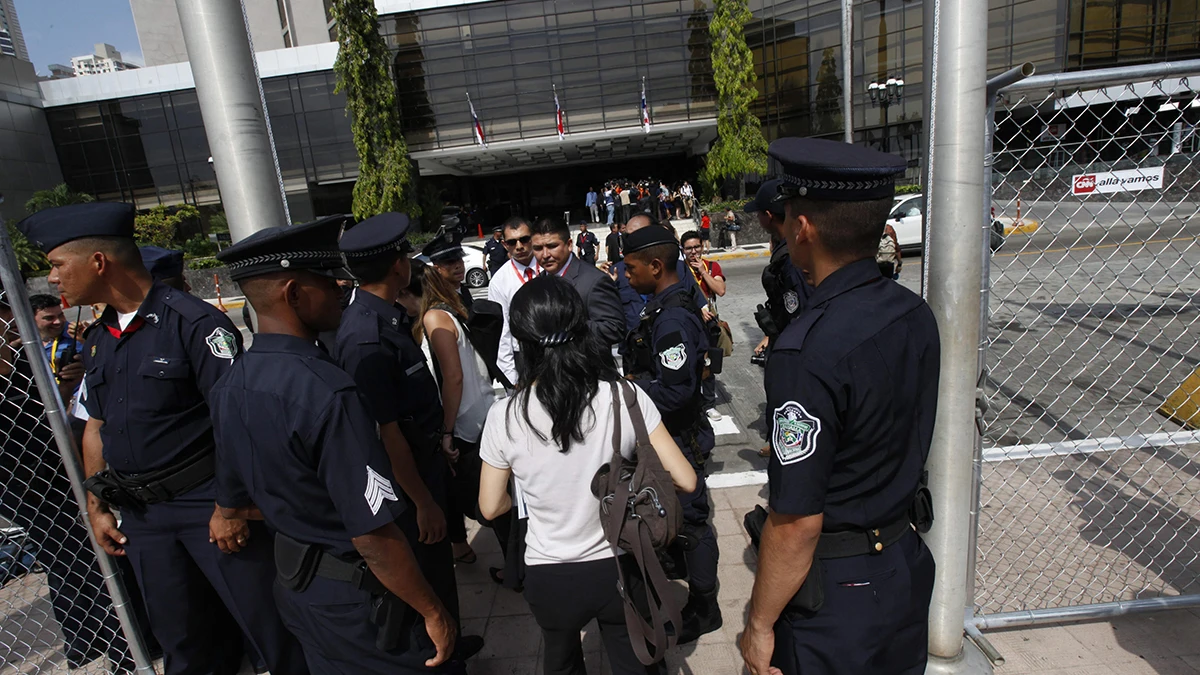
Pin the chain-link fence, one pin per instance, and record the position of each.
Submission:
(56, 611)
(1089, 493)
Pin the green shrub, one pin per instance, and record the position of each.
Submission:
(718, 208)
(29, 257)
(908, 189)
(205, 263)
(419, 239)
(199, 247)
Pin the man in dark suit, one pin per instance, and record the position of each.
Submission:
(552, 246)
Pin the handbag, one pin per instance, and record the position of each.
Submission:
(640, 514)
(721, 334)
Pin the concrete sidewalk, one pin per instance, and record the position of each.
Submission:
(1163, 643)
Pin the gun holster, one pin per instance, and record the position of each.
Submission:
(811, 596)
(109, 490)
(766, 322)
(295, 562)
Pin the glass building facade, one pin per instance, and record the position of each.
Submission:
(511, 56)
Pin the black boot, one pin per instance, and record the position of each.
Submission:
(701, 615)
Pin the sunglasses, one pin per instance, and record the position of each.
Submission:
(522, 240)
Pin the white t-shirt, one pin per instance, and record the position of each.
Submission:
(564, 516)
(477, 392)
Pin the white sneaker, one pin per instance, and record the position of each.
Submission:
(713, 415)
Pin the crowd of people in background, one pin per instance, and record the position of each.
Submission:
(619, 199)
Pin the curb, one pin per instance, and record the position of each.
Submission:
(232, 303)
(1026, 227)
(738, 255)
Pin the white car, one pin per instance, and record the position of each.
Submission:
(473, 260)
(906, 219)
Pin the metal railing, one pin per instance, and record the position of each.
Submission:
(1088, 498)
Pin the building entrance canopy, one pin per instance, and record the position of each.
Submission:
(691, 138)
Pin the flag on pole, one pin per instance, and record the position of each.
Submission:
(645, 108)
(558, 115)
(478, 127)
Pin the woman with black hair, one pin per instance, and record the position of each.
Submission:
(551, 436)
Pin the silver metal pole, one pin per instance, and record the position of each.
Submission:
(1107, 76)
(1105, 610)
(31, 346)
(231, 103)
(953, 196)
(848, 69)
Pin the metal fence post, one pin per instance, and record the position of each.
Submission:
(848, 70)
(18, 300)
(953, 195)
(234, 112)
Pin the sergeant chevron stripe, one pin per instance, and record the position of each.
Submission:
(378, 489)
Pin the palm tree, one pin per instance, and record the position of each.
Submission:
(59, 195)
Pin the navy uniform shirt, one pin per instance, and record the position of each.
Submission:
(150, 383)
(787, 290)
(680, 345)
(295, 440)
(633, 303)
(851, 398)
(496, 254)
(375, 345)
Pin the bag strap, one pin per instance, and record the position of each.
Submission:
(635, 413)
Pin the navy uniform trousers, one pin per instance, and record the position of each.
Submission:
(435, 560)
(332, 619)
(701, 558)
(874, 620)
(176, 565)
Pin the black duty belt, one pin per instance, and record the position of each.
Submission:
(355, 573)
(862, 542)
(154, 487)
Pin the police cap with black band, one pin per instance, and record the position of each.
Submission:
(827, 170)
(768, 198)
(443, 249)
(162, 263)
(50, 228)
(312, 247)
(377, 235)
(648, 237)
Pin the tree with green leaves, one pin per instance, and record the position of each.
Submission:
(159, 225)
(828, 104)
(740, 148)
(59, 195)
(384, 172)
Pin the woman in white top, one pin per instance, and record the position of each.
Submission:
(551, 436)
(467, 396)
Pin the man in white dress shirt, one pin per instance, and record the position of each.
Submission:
(521, 267)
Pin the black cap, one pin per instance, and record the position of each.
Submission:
(311, 246)
(384, 233)
(442, 249)
(647, 237)
(498, 228)
(768, 199)
(834, 171)
(162, 263)
(51, 228)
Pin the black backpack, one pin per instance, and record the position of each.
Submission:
(484, 326)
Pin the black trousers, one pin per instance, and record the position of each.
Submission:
(435, 560)
(464, 498)
(564, 598)
(875, 620)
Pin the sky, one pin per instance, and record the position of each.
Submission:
(56, 30)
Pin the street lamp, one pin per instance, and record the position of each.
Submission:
(883, 94)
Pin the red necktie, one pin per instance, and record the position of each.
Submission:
(528, 273)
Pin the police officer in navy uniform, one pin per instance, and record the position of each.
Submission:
(632, 302)
(844, 581)
(786, 289)
(150, 362)
(667, 356)
(446, 256)
(297, 448)
(375, 346)
(494, 251)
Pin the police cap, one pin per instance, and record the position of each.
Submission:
(311, 246)
(648, 237)
(443, 249)
(768, 198)
(50, 228)
(162, 263)
(835, 171)
(498, 228)
(384, 233)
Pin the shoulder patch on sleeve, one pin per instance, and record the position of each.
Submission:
(222, 343)
(378, 489)
(796, 431)
(672, 350)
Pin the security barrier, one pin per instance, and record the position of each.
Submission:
(1088, 471)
